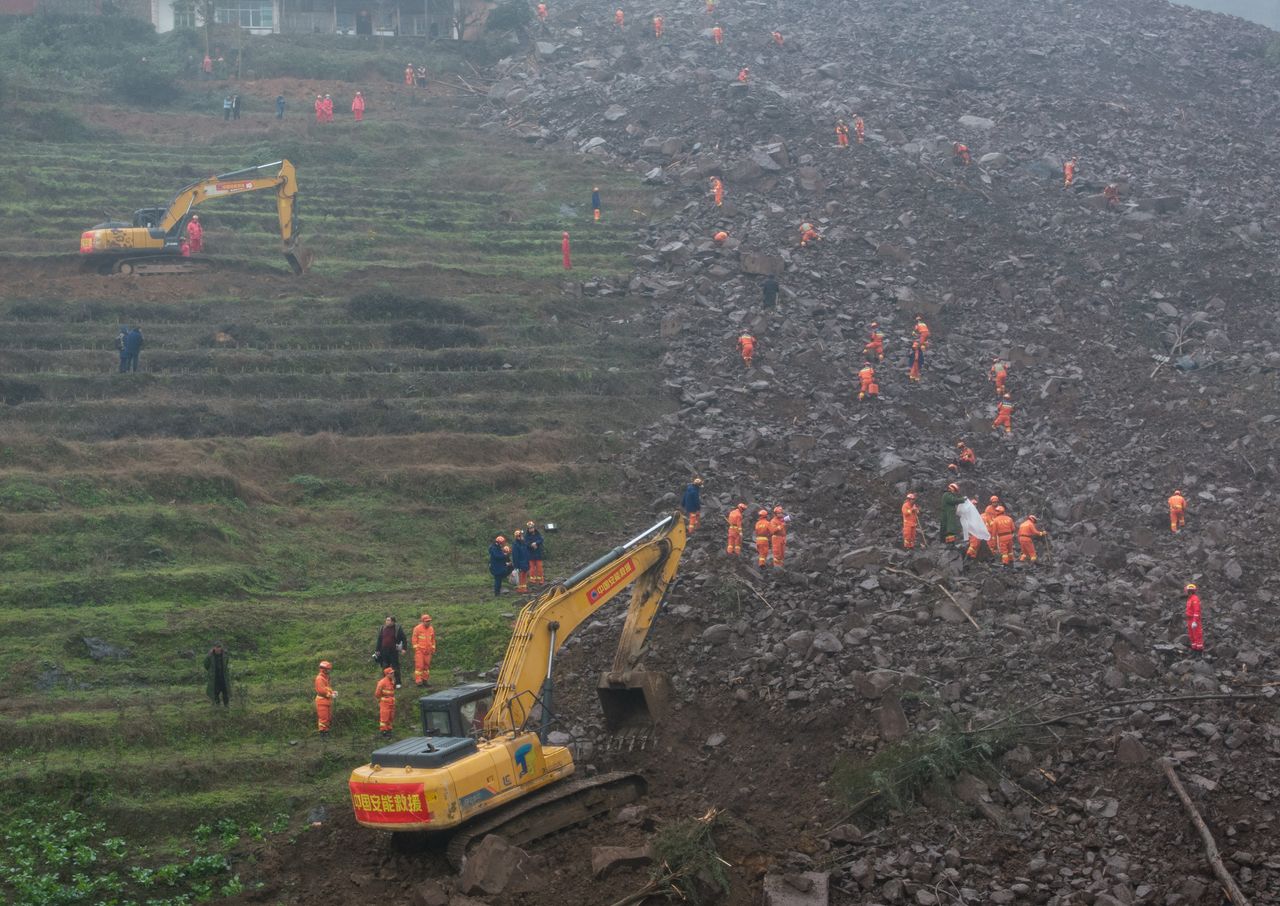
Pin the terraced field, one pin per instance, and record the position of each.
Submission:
(297, 456)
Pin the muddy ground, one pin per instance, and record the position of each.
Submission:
(1143, 350)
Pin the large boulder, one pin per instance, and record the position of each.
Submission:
(496, 866)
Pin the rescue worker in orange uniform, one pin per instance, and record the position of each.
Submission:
(988, 519)
(734, 547)
(778, 40)
(1004, 414)
(324, 698)
(1112, 194)
(619, 18)
(960, 153)
(565, 254)
(910, 521)
(1195, 622)
(1028, 532)
(195, 233)
(808, 233)
(778, 529)
(747, 346)
(357, 106)
(917, 360)
(999, 373)
(842, 134)
(1069, 172)
(717, 35)
(743, 74)
(921, 330)
(424, 646)
(875, 343)
(542, 13)
(859, 129)
(720, 237)
(1177, 511)
(717, 190)
(385, 695)
(657, 27)
(965, 454)
(763, 530)
(1002, 529)
(408, 74)
(867, 385)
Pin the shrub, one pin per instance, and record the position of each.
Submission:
(146, 86)
(380, 306)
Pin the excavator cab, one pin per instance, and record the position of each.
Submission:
(148, 217)
(634, 700)
(457, 712)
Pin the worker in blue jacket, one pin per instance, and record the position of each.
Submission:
(537, 552)
(691, 503)
(520, 561)
(499, 565)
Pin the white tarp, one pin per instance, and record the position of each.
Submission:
(971, 521)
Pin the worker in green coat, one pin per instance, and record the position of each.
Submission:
(950, 519)
(218, 675)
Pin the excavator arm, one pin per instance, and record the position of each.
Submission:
(647, 564)
(285, 182)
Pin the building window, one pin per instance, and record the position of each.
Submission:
(184, 18)
(245, 13)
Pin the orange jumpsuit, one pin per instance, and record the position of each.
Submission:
(842, 135)
(968, 457)
(1177, 512)
(1195, 622)
(1112, 194)
(542, 12)
(1027, 535)
(917, 359)
(875, 344)
(999, 374)
(324, 702)
(975, 543)
(657, 26)
(747, 346)
(807, 234)
(743, 74)
(989, 520)
(408, 76)
(961, 151)
(1004, 411)
(619, 18)
(385, 694)
(1068, 174)
(763, 529)
(777, 38)
(910, 522)
(1002, 529)
(717, 35)
(868, 387)
(859, 128)
(921, 331)
(778, 528)
(424, 645)
(717, 190)
(735, 532)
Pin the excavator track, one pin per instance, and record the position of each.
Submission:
(559, 806)
(150, 266)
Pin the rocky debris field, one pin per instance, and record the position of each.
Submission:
(1142, 349)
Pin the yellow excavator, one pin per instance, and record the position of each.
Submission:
(152, 244)
(483, 764)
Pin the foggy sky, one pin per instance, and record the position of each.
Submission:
(1265, 11)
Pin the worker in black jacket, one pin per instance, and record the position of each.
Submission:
(391, 644)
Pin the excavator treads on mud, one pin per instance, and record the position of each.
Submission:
(559, 806)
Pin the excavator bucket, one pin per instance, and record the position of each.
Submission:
(299, 258)
(635, 699)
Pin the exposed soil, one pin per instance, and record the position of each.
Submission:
(1143, 350)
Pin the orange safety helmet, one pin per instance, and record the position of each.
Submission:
(720, 236)
(698, 482)
(994, 499)
(1031, 518)
(778, 509)
(1191, 586)
(500, 540)
(519, 533)
(742, 506)
(953, 487)
(875, 323)
(1178, 491)
(763, 513)
(325, 665)
(911, 496)
(999, 510)
(531, 524)
(388, 671)
(426, 618)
